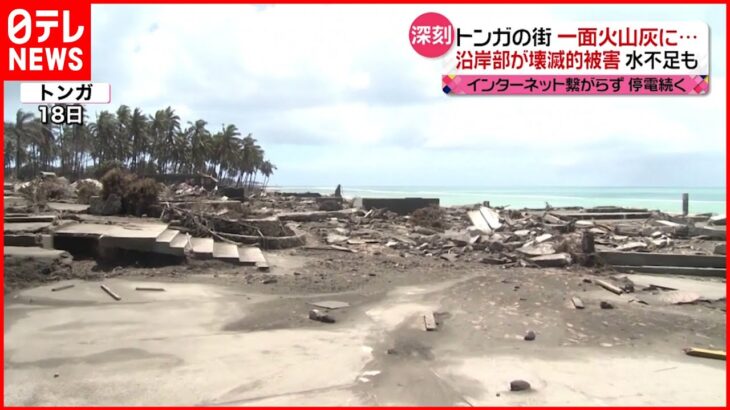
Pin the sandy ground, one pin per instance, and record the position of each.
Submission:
(226, 335)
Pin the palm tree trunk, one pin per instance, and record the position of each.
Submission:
(17, 155)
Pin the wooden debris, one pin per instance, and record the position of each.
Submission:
(328, 248)
(710, 354)
(577, 302)
(429, 321)
(319, 316)
(110, 292)
(609, 287)
(449, 257)
(330, 304)
(150, 289)
(341, 248)
(519, 385)
(62, 288)
(555, 260)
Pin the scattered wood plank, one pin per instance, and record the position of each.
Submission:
(609, 287)
(341, 248)
(449, 257)
(62, 288)
(710, 354)
(328, 248)
(554, 260)
(429, 321)
(110, 292)
(577, 302)
(330, 304)
(143, 289)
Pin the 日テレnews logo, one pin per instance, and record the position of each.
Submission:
(47, 40)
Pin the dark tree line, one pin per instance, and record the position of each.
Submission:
(145, 144)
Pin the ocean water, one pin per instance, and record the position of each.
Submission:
(701, 200)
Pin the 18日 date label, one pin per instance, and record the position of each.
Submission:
(62, 114)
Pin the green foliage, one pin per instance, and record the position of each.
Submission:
(41, 190)
(137, 194)
(107, 166)
(141, 195)
(116, 182)
(85, 190)
(431, 217)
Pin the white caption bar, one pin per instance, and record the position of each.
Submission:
(65, 93)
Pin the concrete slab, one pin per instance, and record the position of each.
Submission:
(478, 221)
(554, 260)
(222, 250)
(64, 207)
(130, 236)
(708, 289)
(33, 252)
(15, 202)
(126, 230)
(15, 227)
(662, 259)
(202, 246)
(714, 232)
(163, 243)
(603, 215)
(181, 241)
(491, 216)
(672, 270)
(23, 239)
(30, 218)
(250, 255)
(401, 206)
(167, 236)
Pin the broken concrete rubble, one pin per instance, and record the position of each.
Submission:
(556, 237)
(319, 316)
(551, 261)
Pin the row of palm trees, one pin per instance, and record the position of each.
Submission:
(146, 144)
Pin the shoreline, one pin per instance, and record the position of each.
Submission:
(667, 199)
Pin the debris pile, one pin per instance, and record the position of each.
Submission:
(533, 238)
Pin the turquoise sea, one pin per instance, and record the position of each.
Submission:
(668, 199)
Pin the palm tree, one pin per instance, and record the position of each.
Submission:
(103, 133)
(122, 137)
(21, 132)
(253, 156)
(138, 129)
(171, 124)
(200, 144)
(129, 137)
(267, 170)
(226, 146)
(9, 144)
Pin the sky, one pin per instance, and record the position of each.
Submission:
(336, 95)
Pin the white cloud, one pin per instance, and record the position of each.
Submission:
(344, 78)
